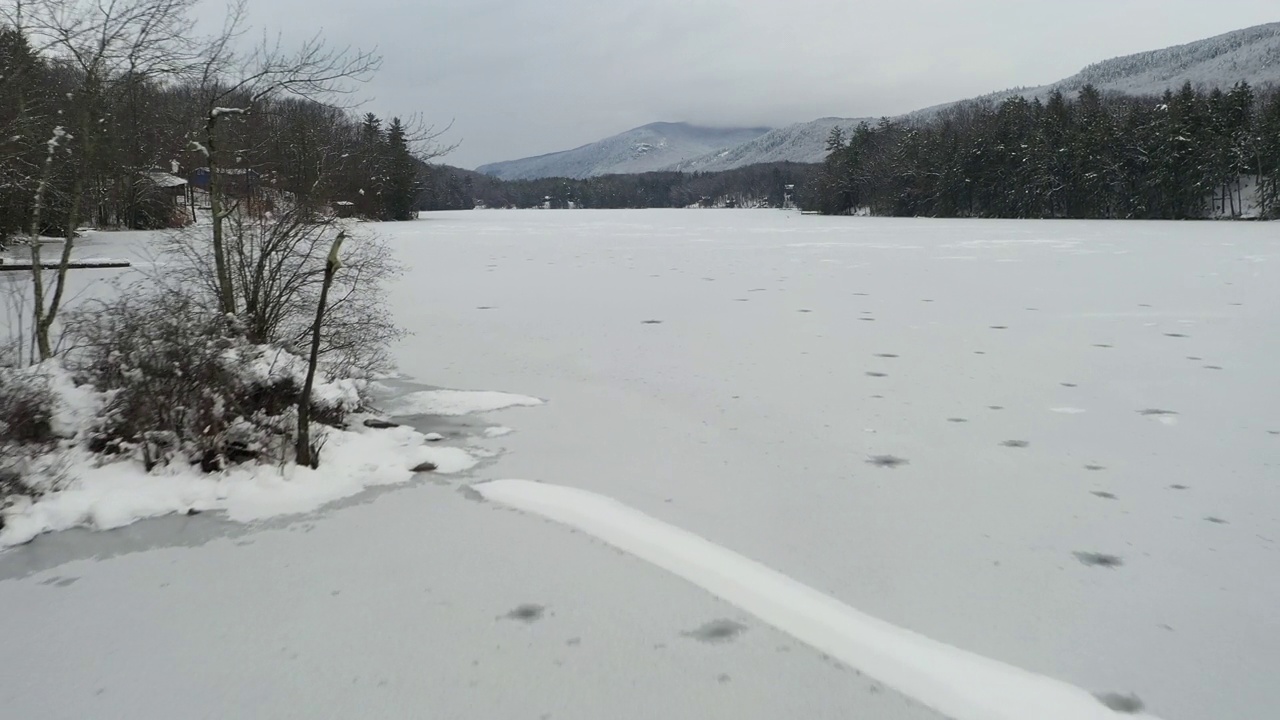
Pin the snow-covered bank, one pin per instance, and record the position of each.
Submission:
(956, 683)
(83, 489)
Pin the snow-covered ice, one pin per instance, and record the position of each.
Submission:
(961, 685)
(456, 402)
(1107, 549)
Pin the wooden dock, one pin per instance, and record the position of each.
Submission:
(88, 265)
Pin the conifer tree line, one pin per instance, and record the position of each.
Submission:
(763, 184)
(1187, 154)
(104, 130)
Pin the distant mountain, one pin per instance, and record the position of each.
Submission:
(656, 146)
(802, 142)
(1251, 55)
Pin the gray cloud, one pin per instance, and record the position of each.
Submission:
(520, 78)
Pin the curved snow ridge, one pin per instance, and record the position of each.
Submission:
(954, 682)
(456, 402)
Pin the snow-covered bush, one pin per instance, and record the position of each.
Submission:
(26, 429)
(182, 383)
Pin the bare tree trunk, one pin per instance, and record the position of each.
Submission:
(37, 210)
(225, 290)
(303, 450)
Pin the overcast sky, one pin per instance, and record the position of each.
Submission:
(520, 78)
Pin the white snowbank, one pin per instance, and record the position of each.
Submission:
(456, 402)
(110, 495)
(957, 683)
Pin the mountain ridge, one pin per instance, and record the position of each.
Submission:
(1250, 54)
(656, 146)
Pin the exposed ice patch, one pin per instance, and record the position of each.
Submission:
(497, 431)
(1068, 410)
(456, 402)
(954, 682)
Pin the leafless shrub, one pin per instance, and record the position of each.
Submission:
(26, 430)
(277, 262)
(184, 383)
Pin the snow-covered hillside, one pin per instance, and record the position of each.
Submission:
(801, 142)
(1251, 55)
(656, 146)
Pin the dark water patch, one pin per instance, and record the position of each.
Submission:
(1015, 443)
(650, 322)
(60, 581)
(1127, 704)
(528, 613)
(717, 631)
(1104, 495)
(471, 493)
(877, 374)
(887, 461)
(1093, 559)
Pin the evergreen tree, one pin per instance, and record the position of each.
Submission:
(401, 185)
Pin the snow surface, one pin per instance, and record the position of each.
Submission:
(456, 402)
(961, 685)
(744, 420)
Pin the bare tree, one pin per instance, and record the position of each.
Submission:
(234, 84)
(100, 40)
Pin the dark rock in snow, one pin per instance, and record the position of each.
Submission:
(425, 467)
(378, 424)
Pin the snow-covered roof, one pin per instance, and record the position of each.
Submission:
(165, 180)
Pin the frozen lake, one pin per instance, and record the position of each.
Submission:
(1054, 444)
